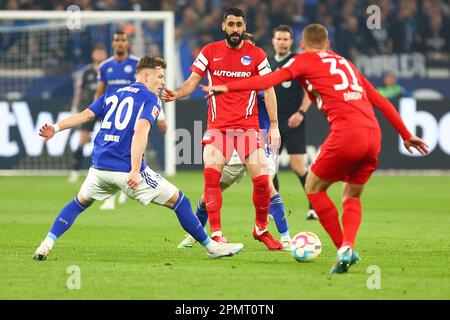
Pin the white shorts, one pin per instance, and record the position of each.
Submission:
(101, 184)
(234, 171)
(272, 161)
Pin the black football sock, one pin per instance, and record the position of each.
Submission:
(303, 182)
(276, 184)
(78, 157)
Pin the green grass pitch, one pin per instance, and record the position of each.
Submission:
(131, 253)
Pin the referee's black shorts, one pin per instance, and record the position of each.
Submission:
(293, 139)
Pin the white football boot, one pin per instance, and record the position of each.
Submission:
(74, 176)
(122, 197)
(187, 242)
(216, 250)
(286, 243)
(43, 250)
(109, 204)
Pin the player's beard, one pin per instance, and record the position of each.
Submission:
(232, 43)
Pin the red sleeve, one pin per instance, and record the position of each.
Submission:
(260, 82)
(294, 68)
(386, 107)
(201, 62)
(263, 65)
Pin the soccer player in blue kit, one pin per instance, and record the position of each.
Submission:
(116, 72)
(117, 160)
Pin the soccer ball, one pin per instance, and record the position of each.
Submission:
(306, 246)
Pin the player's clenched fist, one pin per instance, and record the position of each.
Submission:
(47, 131)
(274, 138)
(133, 180)
(213, 90)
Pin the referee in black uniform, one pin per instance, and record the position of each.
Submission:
(85, 88)
(292, 106)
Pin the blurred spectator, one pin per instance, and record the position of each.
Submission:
(407, 26)
(436, 38)
(403, 27)
(378, 39)
(391, 89)
(350, 40)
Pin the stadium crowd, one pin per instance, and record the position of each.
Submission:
(407, 25)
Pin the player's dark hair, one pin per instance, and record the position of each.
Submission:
(283, 28)
(150, 63)
(315, 35)
(233, 12)
(120, 32)
(248, 37)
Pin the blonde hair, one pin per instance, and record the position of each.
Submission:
(315, 35)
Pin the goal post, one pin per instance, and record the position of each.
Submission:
(73, 20)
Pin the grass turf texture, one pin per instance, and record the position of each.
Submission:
(131, 253)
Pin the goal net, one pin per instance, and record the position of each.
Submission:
(41, 52)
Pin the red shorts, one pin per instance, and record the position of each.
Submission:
(244, 141)
(348, 154)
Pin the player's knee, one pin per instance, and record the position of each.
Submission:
(352, 191)
(224, 186)
(312, 186)
(173, 199)
(351, 198)
(84, 200)
(356, 195)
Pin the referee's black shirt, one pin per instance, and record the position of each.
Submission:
(289, 93)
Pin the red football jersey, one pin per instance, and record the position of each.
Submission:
(334, 84)
(222, 65)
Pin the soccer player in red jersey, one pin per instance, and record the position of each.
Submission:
(233, 121)
(350, 152)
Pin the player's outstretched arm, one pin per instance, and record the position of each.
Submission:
(386, 107)
(391, 114)
(185, 89)
(48, 131)
(252, 83)
(138, 145)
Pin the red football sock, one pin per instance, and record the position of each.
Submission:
(261, 200)
(213, 198)
(351, 220)
(328, 216)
